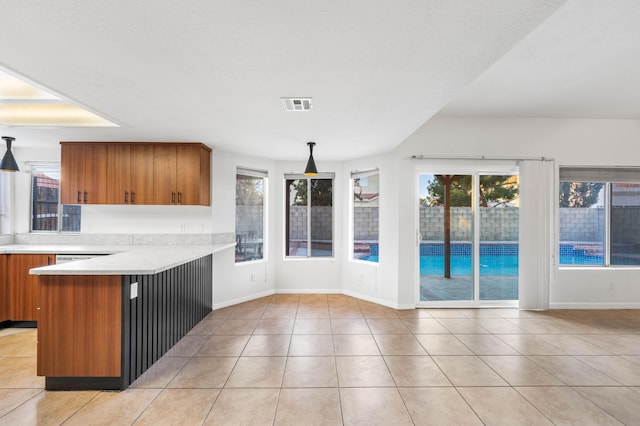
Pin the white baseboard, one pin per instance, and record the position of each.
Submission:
(376, 300)
(594, 305)
(313, 291)
(308, 291)
(242, 299)
(633, 305)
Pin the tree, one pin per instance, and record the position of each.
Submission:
(495, 190)
(456, 191)
(579, 194)
(321, 192)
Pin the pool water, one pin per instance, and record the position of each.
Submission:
(461, 265)
(489, 265)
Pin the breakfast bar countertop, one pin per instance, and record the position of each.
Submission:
(117, 260)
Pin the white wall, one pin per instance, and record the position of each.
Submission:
(393, 281)
(377, 282)
(233, 282)
(569, 142)
(6, 203)
(301, 274)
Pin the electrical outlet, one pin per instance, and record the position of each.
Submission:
(182, 227)
(610, 285)
(253, 277)
(134, 290)
(360, 277)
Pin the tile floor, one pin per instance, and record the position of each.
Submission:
(331, 359)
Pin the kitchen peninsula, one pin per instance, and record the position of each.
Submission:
(104, 321)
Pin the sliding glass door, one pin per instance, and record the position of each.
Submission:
(446, 233)
(468, 238)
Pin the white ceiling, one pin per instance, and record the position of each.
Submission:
(583, 62)
(214, 71)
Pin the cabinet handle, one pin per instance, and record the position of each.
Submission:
(48, 260)
(85, 196)
(79, 197)
(173, 197)
(179, 197)
(132, 197)
(125, 197)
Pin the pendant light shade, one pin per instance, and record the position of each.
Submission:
(311, 169)
(8, 163)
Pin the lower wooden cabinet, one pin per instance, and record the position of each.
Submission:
(4, 315)
(22, 288)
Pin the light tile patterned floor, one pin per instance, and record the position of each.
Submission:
(332, 359)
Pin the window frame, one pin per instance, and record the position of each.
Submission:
(264, 175)
(357, 174)
(608, 176)
(286, 216)
(60, 207)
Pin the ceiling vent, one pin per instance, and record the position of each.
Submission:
(297, 104)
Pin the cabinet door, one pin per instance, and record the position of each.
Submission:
(188, 174)
(141, 183)
(164, 174)
(22, 288)
(118, 164)
(4, 315)
(71, 174)
(205, 177)
(95, 174)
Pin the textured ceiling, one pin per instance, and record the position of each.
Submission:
(214, 71)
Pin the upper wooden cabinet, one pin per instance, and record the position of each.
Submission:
(130, 174)
(135, 173)
(181, 174)
(83, 173)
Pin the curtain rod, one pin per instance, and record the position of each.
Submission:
(481, 157)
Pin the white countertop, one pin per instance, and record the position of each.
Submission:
(64, 249)
(121, 260)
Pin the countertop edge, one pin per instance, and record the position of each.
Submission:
(120, 262)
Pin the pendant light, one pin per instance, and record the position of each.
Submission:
(311, 169)
(8, 163)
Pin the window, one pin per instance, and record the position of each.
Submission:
(599, 216)
(46, 210)
(366, 194)
(309, 216)
(250, 214)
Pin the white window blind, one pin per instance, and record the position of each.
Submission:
(321, 175)
(364, 173)
(600, 174)
(244, 171)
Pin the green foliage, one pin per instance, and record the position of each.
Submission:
(321, 192)
(579, 194)
(495, 190)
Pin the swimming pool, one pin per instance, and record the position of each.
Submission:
(495, 258)
(461, 265)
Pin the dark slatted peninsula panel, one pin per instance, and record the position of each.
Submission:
(167, 306)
